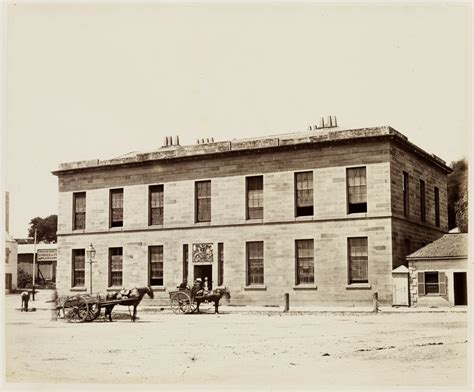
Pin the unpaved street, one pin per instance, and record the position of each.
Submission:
(272, 348)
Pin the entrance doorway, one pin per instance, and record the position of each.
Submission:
(204, 271)
(8, 281)
(460, 288)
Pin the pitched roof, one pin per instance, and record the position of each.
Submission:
(453, 245)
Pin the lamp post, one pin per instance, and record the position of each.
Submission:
(90, 256)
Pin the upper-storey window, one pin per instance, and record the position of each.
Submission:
(116, 208)
(422, 201)
(436, 196)
(79, 206)
(203, 201)
(406, 194)
(304, 193)
(155, 215)
(255, 197)
(356, 190)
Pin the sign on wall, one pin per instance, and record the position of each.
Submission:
(202, 253)
(46, 254)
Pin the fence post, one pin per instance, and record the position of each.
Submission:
(287, 302)
(375, 300)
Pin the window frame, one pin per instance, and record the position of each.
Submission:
(298, 258)
(422, 201)
(406, 193)
(441, 284)
(299, 210)
(354, 209)
(249, 276)
(75, 214)
(350, 279)
(260, 196)
(197, 203)
(436, 207)
(113, 192)
(160, 190)
(74, 270)
(110, 279)
(151, 248)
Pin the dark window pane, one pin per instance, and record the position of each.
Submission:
(220, 262)
(406, 194)
(156, 205)
(436, 194)
(422, 201)
(79, 211)
(156, 265)
(255, 272)
(203, 201)
(356, 190)
(304, 193)
(255, 197)
(358, 260)
(116, 208)
(304, 261)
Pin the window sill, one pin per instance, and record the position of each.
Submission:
(305, 287)
(114, 288)
(156, 226)
(357, 214)
(77, 289)
(255, 288)
(304, 218)
(158, 288)
(116, 228)
(358, 286)
(254, 220)
(82, 231)
(203, 223)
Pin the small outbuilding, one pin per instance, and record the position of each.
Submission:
(439, 272)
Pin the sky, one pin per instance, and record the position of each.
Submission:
(96, 81)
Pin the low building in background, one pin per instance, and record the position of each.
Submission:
(439, 272)
(324, 215)
(45, 265)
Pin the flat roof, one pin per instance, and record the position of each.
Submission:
(321, 135)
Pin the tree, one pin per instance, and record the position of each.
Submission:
(457, 195)
(46, 228)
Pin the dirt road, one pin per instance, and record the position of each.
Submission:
(428, 349)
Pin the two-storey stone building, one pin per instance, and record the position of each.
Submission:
(324, 215)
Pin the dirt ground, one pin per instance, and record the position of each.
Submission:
(266, 348)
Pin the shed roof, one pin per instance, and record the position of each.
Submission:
(453, 245)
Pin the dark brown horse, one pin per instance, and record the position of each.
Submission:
(215, 297)
(133, 298)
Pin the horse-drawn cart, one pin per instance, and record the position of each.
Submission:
(183, 300)
(85, 307)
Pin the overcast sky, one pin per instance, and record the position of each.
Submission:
(97, 81)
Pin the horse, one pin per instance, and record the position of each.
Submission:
(25, 297)
(215, 296)
(138, 293)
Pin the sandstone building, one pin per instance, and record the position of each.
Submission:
(324, 215)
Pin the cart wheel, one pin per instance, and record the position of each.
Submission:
(192, 307)
(180, 302)
(94, 311)
(76, 309)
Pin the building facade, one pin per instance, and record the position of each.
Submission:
(324, 215)
(11, 249)
(45, 264)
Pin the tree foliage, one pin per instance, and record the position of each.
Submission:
(46, 228)
(458, 195)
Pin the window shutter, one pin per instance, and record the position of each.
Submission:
(421, 283)
(442, 283)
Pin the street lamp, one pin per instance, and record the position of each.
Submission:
(90, 256)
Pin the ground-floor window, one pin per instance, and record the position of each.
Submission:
(185, 262)
(78, 268)
(115, 266)
(254, 263)
(155, 257)
(431, 283)
(358, 260)
(304, 261)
